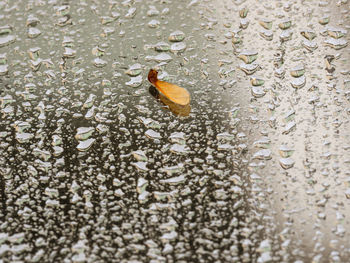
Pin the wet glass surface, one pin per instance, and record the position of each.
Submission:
(98, 166)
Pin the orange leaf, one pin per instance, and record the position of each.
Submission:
(173, 92)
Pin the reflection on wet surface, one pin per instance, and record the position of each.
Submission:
(179, 110)
(94, 169)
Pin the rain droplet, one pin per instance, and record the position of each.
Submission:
(33, 32)
(257, 91)
(176, 36)
(267, 34)
(263, 154)
(23, 137)
(134, 82)
(289, 127)
(141, 166)
(248, 56)
(142, 184)
(6, 40)
(131, 13)
(309, 45)
(134, 70)
(152, 11)
(99, 63)
(178, 47)
(139, 155)
(179, 149)
(266, 23)
(249, 69)
(286, 35)
(243, 12)
(336, 32)
(244, 23)
(170, 170)
(324, 20)
(286, 163)
(285, 24)
(308, 34)
(84, 133)
(85, 145)
(297, 71)
(298, 83)
(153, 134)
(336, 43)
(236, 36)
(173, 180)
(162, 46)
(256, 81)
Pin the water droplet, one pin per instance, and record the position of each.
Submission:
(153, 23)
(107, 19)
(99, 63)
(285, 24)
(173, 180)
(248, 56)
(297, 71)
(21, 126)
(225, 136)
(289, 115)
(309, 45)
(162, 46)
(336, 43)
(324, 20)
(6, 40)
(179, 149)
(236, 36)
(249, 69)
(69, 52)
(85, 145)
(98, 51)
(244, 23)
(286, 163)
(142, 184)
(266, 23)
(139, 155)
(308, 34)
(23, 137)
(289, 127)
(263, 154)
(336, 32)
(298, 83)
(262, 143)
(45, 155)
(33, 32)
(256, 81)
(89, 102)
(141, 166)
(176, 36)
(134, 82)
(257, 91)
(152, 11)
(178, 47)
(131, 12)
(279, 72)
(170, 170)
(163, 57)
(153, 134)
(286, 35)
(267, 34)
(84, 133)
(243, 12)
(134, 70)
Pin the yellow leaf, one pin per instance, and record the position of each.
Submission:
(172, 92)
